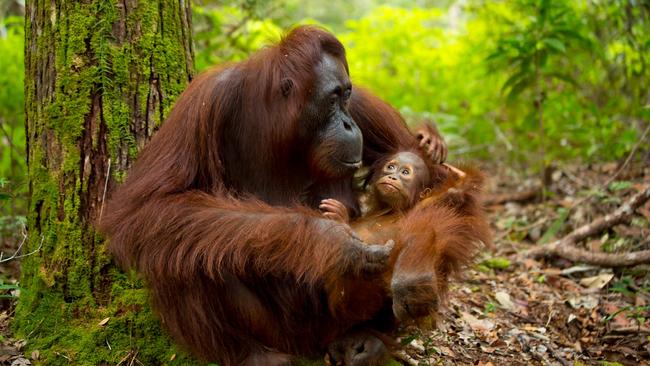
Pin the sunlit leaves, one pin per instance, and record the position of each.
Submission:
(231, 32)
(531, 51)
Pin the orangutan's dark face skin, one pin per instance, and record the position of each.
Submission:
(401, 180)
(337, 143)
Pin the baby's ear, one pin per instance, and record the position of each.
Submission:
(425, 192)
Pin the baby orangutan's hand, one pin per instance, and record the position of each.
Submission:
(334, 210)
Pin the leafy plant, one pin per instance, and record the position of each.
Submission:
(619, 186)
(556, 226)
(531, 52)
(231, 32)
(489, 308)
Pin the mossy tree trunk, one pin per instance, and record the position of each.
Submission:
(100, 76)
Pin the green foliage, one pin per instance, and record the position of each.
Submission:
(556, 226)
(418, 61)
(535, 47)
(231, 32)
(452, 68)
(490, 307)
(8, 290)
(619, 186)
(12, 128)
(497, 263)
(623, 286)
(80, 335)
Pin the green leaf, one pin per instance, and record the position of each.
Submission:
(408, 339)
(564, 77)
(497, 263)
(519, 87)
(619, 185)
(514, 79)
(555, 226)
(608, 363)
(555, 44)
(9, 287)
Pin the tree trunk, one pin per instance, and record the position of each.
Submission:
(100, 77)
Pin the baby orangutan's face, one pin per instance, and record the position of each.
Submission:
(401, 180)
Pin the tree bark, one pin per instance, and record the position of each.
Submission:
(100, 77)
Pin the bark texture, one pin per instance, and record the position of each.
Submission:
(100, 77)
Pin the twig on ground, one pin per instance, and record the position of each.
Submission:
(20, 246)
(557, 355)
(62, 355)
(565, 247)
(522, 196)
(634, 330)
(629, 157)
(616, 174)
(403, 356)
(526, 228)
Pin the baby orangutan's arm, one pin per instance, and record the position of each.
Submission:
(334, 210)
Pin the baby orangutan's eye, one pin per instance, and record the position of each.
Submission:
(406, 172)
(390, 166)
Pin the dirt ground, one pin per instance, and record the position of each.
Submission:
(514, 310)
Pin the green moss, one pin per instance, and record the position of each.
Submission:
(83, 336)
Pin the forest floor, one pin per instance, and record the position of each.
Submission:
(515, 310)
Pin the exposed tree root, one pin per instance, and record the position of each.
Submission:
(565, 247)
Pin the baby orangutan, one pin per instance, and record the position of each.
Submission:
(395, 188)
(433, 214)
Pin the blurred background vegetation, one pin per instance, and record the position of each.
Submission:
(528, 83)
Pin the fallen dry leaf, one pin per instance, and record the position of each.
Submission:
(597, 282)
(477, 325)
(21, 361)
(504, 300)
(587, 302)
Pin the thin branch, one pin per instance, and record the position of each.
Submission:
(108, 175)
(20, 246)
(403, 356)
(629, 157)
(500, 135)
(522, 196)
(618, 172)
(565, 247)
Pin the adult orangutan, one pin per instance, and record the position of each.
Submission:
(215, 213)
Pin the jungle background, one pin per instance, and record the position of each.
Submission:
(550, 98)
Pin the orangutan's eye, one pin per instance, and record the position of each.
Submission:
(347, 93)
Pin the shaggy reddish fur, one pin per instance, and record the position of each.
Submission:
(434, 240)
(210, 215)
